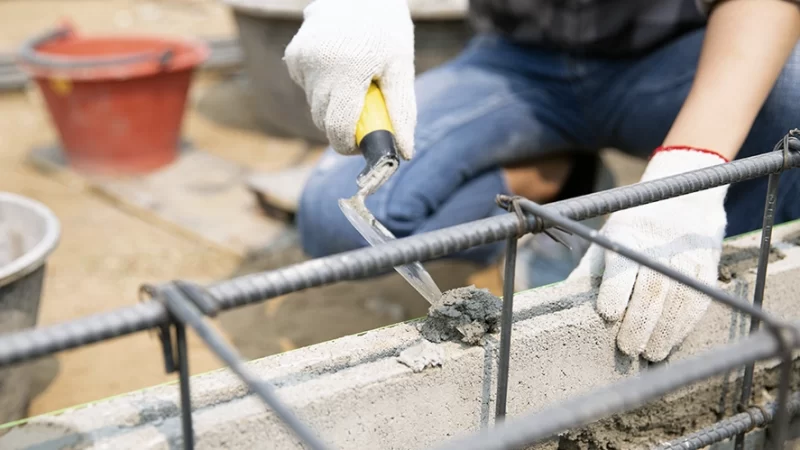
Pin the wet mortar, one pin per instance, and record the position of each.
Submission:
(736, 262)
(465, 313)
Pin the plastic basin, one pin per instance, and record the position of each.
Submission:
(30, 233)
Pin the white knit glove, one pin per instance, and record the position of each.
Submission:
(685, 233)
(341, 47)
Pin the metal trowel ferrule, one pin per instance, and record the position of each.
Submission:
(373, 177)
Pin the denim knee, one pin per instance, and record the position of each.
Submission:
(324, 230)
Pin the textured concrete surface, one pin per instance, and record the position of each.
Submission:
(356, 394)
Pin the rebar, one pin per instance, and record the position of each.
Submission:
(422, 247)
(506, 319)
(595, 237)
(183, 381)
(770, 204)
(185, 312)
(366, 262)
(737, 425)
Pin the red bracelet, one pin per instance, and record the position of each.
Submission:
(681, 147)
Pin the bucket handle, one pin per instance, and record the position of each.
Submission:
(29, 54)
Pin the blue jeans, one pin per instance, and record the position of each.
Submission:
(499, 103)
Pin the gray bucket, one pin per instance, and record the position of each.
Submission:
(265, 28)
(29, 232)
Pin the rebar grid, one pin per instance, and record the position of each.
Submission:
(177, 304)
(370, 261)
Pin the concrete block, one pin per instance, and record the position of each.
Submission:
(355, 393)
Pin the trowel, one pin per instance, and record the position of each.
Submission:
(375, 139)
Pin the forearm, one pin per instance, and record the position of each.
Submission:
(746, 45)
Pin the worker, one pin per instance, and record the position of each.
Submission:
(683, 84)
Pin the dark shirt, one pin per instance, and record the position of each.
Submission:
(590, 27)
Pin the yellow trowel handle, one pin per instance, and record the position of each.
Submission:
(374, 115)
(375, 139)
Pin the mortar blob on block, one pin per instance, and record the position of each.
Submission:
(465, 313)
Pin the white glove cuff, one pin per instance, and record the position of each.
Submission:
(668, 161)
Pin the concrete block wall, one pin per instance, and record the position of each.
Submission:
(355, 393)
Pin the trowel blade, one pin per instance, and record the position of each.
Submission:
(375, 233)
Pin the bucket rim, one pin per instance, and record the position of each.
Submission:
(34, 258)
(39, 64)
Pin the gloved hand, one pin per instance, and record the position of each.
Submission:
(685, 233)
(340, 48)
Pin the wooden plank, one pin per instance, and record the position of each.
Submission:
(200, 194)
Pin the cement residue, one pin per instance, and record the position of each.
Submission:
(466, 313)
(421, 356)
(671, 417)
(737, 262)
(793, 238)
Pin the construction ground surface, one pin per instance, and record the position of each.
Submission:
(108, 250)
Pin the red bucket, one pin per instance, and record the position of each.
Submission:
(117, 102)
